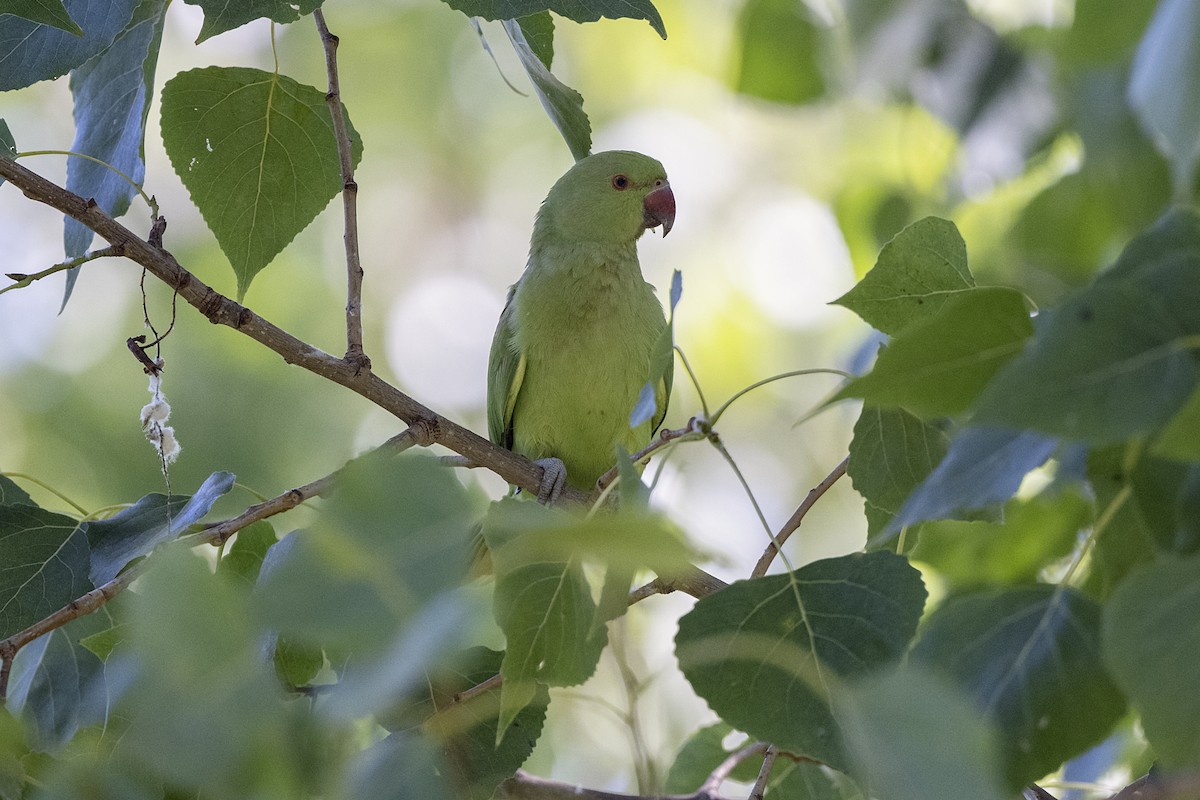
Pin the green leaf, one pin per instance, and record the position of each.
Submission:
(1180, 437)
(43, 12)
(257, 153)
(1163, 88)
(1128, 539)
(43, 565)
(102, 643)
(983, 466)
(563, 104)
(111, 92)
(912, 736)
(1152, 646)
(206, 716)
(394, 535)
(221, 15)
(578, 10)
(245, 556)
(1030, 658)
(936, 367)
(466, 731)
(13, 495)
(781, 48)
(891, 453)
(1117, 359)
(154, 519)
(544, 606)
(807, 781)
(768, 654)
(1034, 532)
(917, 272)
(538, 30)
(296, 663)
(32, 52)
(58, 685)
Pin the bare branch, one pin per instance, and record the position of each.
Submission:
(789, 527)
(721, 774)
(693, 581)
(665, 436)
(78, 607)
(23, 280)
(354, 271)
(760, 785)
(221, 310)
(524, 786)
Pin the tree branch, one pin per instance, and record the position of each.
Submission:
(719, 775)
(221, 310)
(789, 527)
(760, 785)
(524, 786)
(354, 271)
(23, 280)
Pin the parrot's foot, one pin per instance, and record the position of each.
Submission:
(554, 478)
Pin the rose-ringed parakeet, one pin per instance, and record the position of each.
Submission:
(577, 338)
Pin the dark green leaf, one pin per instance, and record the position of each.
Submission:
(32, 52)
(1033, 534)
(937, 366)
(152, 520)
(807, 781)
(543, 605)
(245, 556)
(8, 149)
(891, 453)
(1163, 87)
(1152, 646)
(578, 10)
(1030, 658)
(13, 495)
(1114, 360)
(58, 685)
(466, 731)
(111, 92)
(395, 534)
(563, 104)
(44, 12)
(257, 153)
(1127, 539)
(912, 736)
(296, 664)
(538, 30)
(781, 48)
(1180, 437)
(221, 15)
(749, 649)
(917, 272)
(983, 466)
(43, 565)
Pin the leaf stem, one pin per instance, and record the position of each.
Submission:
(815, 371)
(48, 488)
(692, 376)
(149, 201)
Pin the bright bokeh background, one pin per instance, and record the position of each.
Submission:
(781, 207)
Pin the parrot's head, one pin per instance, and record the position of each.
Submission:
(614, 196)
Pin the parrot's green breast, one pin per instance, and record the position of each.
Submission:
(587, 335)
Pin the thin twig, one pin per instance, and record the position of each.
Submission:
(354, 271)
(221, 310)
(789, 527)
(665, 437)
(693, 581)
(760, 785)
(477, 689)
(23, 280)
(721, 774)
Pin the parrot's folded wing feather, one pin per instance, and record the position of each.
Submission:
(506, 369)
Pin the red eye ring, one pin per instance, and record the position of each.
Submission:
(620, 183)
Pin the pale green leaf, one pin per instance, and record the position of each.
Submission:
(222, 15)
(577, 10)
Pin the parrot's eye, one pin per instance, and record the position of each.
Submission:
(620, 183)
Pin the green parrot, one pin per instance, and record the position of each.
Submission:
(576, 340)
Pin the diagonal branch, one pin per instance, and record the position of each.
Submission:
(789, 527)
(354, 271)
(221, 310)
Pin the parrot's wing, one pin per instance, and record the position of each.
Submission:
(506, 370)
(662, 395)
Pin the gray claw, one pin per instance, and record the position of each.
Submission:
(554, 478)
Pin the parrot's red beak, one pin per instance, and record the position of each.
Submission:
(659, 209)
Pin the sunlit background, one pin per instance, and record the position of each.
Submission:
(781, 206)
